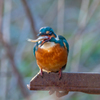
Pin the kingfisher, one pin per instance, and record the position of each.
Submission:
(51, 51)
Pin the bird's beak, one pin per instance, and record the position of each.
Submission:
(38, 39)
(41, 34)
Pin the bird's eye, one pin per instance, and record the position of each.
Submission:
(47, 32)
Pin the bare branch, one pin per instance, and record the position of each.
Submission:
(60, 17)
(14, 67)
(1, 10)
(83, 13)
(93, 8)
(29, 15)
(11, 58)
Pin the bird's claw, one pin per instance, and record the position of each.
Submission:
(60, 74)
(41, 73)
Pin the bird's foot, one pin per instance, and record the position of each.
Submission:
(41, 73)
(60, 73)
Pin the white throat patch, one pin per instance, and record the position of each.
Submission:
(48, 45)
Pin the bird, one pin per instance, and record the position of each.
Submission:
(51, 51)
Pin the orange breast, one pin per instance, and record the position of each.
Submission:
(51, 60)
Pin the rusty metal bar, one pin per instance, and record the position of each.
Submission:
(80, 82)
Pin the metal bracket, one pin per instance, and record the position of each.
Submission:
(79, 82)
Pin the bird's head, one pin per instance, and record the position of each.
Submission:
(46, 31)
(45, 34)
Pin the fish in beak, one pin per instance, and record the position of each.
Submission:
(41, 38)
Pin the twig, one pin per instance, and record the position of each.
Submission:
(11, 57)
(28, 12)
(3, 67)
(93, 8)
(1, 10)
(82, 22)
(14, 67)
(60, 17)
(83, 13)
(50, 11)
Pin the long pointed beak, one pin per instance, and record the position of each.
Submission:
(38, 39)
(41, 34)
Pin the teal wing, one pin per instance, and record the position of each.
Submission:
(65, 41)
(36, 47)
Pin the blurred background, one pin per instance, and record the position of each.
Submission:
(77, 20)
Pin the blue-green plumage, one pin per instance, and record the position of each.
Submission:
(43, 30)
(61, 40)
(36, 47)
(56, 39)
(65, 41)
